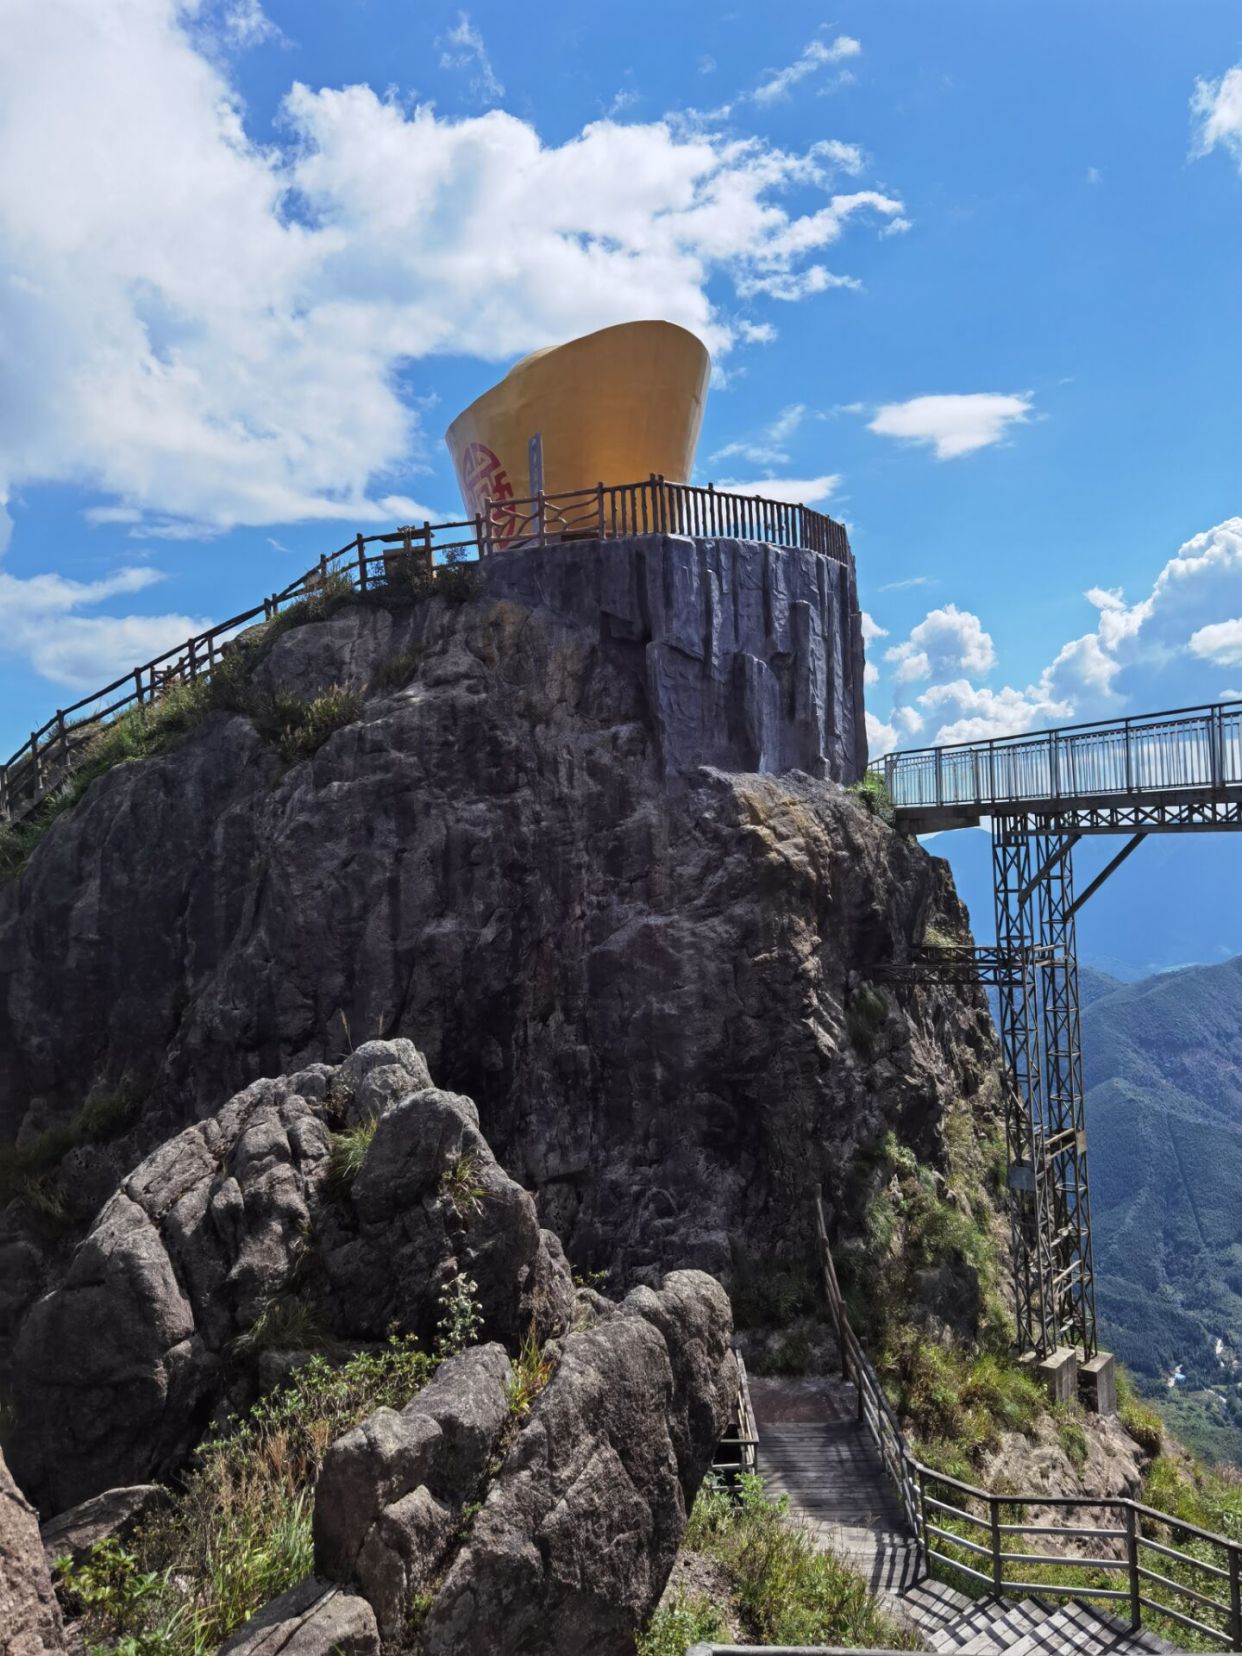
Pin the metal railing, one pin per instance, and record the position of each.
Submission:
(1196, 748)
(655, 506)
(983, 1536)
(738, 1453)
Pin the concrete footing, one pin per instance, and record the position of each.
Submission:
(1097, 1383)
(1058, 1374)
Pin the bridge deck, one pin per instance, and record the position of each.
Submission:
(1164, 772)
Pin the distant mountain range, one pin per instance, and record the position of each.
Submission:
(1162, 1057)
(1162, 1064)
(1176, 902)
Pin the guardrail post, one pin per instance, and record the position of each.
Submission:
(997, 1572)
(34, 763)
(1132, 1565)
(1235, 1596)
(599, 499)
(362, 562)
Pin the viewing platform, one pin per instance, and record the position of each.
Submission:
(763, 612)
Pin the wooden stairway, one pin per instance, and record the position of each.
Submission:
(814, 1450)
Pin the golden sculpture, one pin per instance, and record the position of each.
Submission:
(612, 407)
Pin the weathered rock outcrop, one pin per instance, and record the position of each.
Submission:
(240, 1216)
(29, 1615)
(640, 969)
(578, 1527)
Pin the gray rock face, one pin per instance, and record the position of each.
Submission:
(29, 1615)
(576, 1537)
(118, 1368)
(640, 969)
(391, 1491)
(751, 655)
(315, 1618)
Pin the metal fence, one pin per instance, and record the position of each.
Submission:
(654, 506)
(985, 1538)
(1193, 748)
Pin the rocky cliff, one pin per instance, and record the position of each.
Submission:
(555, 842)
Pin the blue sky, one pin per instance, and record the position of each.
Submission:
(969, 273)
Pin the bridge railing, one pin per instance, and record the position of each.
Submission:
(652, 506)
(1196, 748)
(985, 1537)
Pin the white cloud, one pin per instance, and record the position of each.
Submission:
(1217, 104)
(707, 64)
(946, 641)
(1094, 175)
(1219, 642)
(241, 351)
(910, 581)
(953, 425)
(42, 624)
(768, 449)
(755, 333)
(881, 738)
(806, 491)
(464, 48)
(1164, 650)
(816, 55)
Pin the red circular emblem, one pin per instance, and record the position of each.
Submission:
(486, 487)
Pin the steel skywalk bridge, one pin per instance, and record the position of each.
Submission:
(1172, 772)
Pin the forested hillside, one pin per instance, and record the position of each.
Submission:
(1163, 1071)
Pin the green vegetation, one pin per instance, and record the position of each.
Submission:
(955, 1402)
(461, 1315)
(532, 1369)
(865, 1017)
(300, 728)
(346, 1154)
(1166, 1168)
(397, 671)
(675, 1627)
(781, 1590)
(874, 798)
(459, 1187)
(238, 1532)
(1141, 1421)
(286, 1323)
(28, 1169)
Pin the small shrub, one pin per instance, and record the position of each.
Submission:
(531, 1371)
(770, 1291)
(874, 798)
(785, 1592)
(459, 1187)
(27, 1170)
(302, 727)
(239, 1531)
(865, 1018)
(1139, 1419)
(682, 1623)
(346, 1154)
(1074, 1442)
(461, 1315)
(397, 671)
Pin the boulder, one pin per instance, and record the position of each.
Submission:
(72, 1534)
(315, 1618)
(30, 1622)
(392, 1490)
(579, 1527)
(237, 1222)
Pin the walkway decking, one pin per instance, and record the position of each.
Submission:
(813, 1448)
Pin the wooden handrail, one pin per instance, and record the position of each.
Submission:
(603, 512)
(910, 1474)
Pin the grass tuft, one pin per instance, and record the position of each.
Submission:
(347, 1152)
(28, 1169)
(459, 1187)
(874, 797)
(865, 1017)
(397, 671)
(677, 1626)
(530, 1372)
(300, 728)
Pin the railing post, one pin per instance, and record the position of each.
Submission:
(138, 683)
(35, 776)
(922, 1522)
(1235, 1595)
(1132, 1566)
(997, 1572)
(599, 498)
(541, 518)
(482, 523)
(362, 562)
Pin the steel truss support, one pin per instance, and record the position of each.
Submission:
(1040, 1040)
